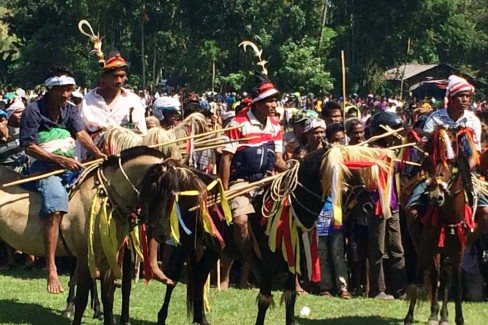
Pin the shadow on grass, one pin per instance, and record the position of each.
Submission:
(351, 320)
(21, 313)
(20, 272)
(16, 312)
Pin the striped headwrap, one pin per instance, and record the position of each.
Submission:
(114, 63)
(457, 85)
(264, 88)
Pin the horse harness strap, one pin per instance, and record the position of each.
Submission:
(127, 177)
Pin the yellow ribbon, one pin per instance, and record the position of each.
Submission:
(173, 220)
(108, 236)
(134, 236)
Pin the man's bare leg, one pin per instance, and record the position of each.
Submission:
(51, 233)
(157, 273)
(242, 236)
(225, 267)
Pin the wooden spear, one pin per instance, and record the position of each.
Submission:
(55, 172)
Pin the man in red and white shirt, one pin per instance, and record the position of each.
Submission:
(252, 159)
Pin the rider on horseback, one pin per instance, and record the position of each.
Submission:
(46, 130)
(457, 114)
(252, 160)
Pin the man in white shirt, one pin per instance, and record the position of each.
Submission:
(111, 104)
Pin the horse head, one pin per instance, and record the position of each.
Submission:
(121, 176)
(438, 186)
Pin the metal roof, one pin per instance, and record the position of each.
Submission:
(407, 71)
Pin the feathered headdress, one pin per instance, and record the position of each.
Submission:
(264, 87)
(115, 60)
(95, 39)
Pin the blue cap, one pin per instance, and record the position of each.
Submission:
(3, 113)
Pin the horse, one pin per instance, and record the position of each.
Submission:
(196, 236)
(113, 140)
(117, 181)
(440, 235)
(320, 173)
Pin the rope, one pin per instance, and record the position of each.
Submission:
(281, 187)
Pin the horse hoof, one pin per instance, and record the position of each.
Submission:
(433, 322)
(444, 322)
(98, 315)
(125, 323)
(67, 314)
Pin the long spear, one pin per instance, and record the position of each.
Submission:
(99, 161)
(55, 172)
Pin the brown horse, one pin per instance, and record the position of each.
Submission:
(198, 242)
(439, 236)
(21, 227)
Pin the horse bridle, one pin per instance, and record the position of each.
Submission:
(105, 183)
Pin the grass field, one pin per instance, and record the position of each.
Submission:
(23, 300)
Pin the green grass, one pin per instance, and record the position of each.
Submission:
(23, 300)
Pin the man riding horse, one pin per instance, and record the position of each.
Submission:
(456, 115)
(47, 129)
(252, 160)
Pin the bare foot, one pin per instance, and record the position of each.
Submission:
(53, 284)
(158, 275)
(224, 285)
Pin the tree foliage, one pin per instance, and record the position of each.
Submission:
(301, 40)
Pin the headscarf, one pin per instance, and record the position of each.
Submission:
(59, 81)
(314, 124)
(264, 88)
(14, 105)
(114, 63)
(456, 85)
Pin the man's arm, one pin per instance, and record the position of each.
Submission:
(225, 162)
(87, 143)
(38, 153)
(280, 164)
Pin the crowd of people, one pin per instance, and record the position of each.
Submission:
(60, 126)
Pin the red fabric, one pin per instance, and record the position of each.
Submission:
(287, 237)
(145, 253)
(314, 252)
(442, 237)
(114, 62)
(358, 164)
(219, 213)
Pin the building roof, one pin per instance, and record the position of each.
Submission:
(408, 71)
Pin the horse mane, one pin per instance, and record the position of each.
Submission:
(334, 162)
(118, 138)
(132, 153)
(375, 165)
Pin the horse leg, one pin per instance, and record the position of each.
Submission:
(445, 285)
(200, 273)
(68, 312)
(95, 301)
(289, 297)
(268, 271)
(108, 289)
(412, 295)
(457, 288)
(127, 272)
(173, 272)
(83, 282)
(434, 302)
